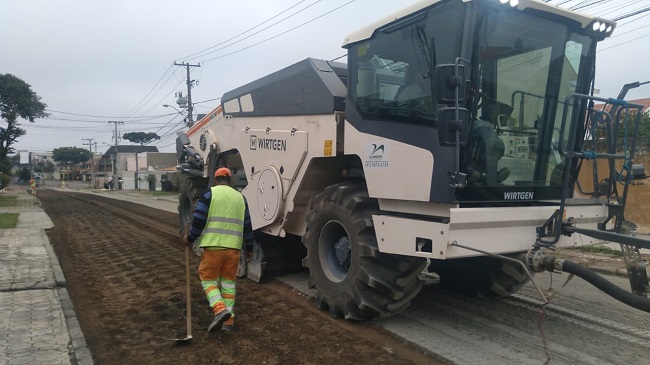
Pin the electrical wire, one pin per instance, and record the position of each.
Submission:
(155, 105)
(256, 33)
(151, 96)
(280, 34)
(135, 119)
(132, 110)
(201, 53)
(636, 12)
(622, 43)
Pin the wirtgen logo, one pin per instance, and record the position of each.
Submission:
(253, 142)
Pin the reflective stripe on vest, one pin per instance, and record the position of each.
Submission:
(225, 225)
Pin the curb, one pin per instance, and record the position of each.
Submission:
(77, 347)
(59, 278)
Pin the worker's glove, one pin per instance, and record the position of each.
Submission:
(185, 241)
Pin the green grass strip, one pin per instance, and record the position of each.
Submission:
(600, 249)
(8, 220)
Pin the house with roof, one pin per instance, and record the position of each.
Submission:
(135, 167)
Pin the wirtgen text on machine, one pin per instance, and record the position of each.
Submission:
(518, 195)
(268, 144)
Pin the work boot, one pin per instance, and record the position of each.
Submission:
(219, 318)
(227, 327)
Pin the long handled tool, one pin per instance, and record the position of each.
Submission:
(187, 339)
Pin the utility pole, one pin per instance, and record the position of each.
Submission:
(187, 66)
(92, 161)
(94, 154)
(116, 136)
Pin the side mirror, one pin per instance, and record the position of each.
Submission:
(448, 124)
(446, 82)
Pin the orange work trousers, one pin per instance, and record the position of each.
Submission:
(218, 274)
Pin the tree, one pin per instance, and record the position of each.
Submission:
(643, 140)
(71, 155)
(44, 166)
(140, 137)
(24, 174)
(17, 100)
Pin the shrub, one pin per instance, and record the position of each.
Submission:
(4, 179)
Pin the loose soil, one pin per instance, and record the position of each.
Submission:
(126, 280)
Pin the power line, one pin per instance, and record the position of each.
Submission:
(280, 34)
(636, 12)
(104, 116)
(251, 35)
(622, 43)
(156, 93)
(199, 53)
(155, 105)
(205, 101)
(133, 110)
(630, 31)
(580, 6)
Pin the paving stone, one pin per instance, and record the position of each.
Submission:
(34, 327)
(24, 260)
(33, 336)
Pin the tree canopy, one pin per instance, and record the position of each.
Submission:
(71, 155)
(140, 137)
(44, 166)
(17, 100)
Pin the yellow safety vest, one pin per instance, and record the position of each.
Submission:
(225, 224)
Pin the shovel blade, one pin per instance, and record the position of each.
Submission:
(183, 341)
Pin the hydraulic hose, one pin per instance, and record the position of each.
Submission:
(601, 283)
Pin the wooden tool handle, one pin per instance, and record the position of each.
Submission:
(187, 284)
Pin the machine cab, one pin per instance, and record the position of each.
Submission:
(501, 69)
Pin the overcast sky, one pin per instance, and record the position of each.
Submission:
(92, 61)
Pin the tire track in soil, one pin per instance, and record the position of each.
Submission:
(126, 281)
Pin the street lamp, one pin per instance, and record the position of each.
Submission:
(178, 111)
(173, 107)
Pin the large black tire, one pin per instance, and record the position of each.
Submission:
(189, 193)
(481, 276)
(352, 278)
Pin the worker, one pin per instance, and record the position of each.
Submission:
(222, 219)
(32, 183)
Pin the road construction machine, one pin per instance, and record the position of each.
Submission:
(447, 150)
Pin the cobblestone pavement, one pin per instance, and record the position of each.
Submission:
(37, 320)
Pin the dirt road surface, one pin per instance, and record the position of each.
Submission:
(125, 275)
